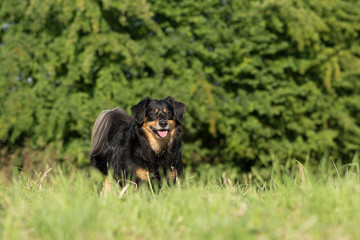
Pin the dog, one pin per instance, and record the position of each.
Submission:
(145, 146)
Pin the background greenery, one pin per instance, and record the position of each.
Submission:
(259, 78)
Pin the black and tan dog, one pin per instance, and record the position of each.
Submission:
(147, 144)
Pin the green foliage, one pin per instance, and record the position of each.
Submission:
(258, 77)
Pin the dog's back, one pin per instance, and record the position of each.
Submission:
(105, 127)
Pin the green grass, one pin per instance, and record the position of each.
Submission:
(215, 204)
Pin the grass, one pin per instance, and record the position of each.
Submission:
(215, 204)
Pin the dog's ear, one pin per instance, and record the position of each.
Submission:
(179, 108)
(138, 110)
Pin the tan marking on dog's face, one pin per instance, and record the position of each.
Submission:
(142, 173)
(156, 143)
(156, 110)
(165, 110)
(172, 130)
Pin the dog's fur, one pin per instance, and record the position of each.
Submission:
(146, 145)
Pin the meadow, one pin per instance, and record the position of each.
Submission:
(296, 202)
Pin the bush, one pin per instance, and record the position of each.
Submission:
(258, 77)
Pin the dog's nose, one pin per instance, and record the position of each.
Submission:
(163, 123)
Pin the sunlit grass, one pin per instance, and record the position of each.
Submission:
(294, 203)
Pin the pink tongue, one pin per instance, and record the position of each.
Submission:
(162, 134)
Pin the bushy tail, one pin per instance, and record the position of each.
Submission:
(105, 128)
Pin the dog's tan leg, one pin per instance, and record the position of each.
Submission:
(173, 176)
(106, 186)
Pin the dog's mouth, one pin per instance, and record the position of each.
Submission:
(162, 133)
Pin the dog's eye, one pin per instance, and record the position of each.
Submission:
(153, 114)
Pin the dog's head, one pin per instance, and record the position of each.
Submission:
(159, 117)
